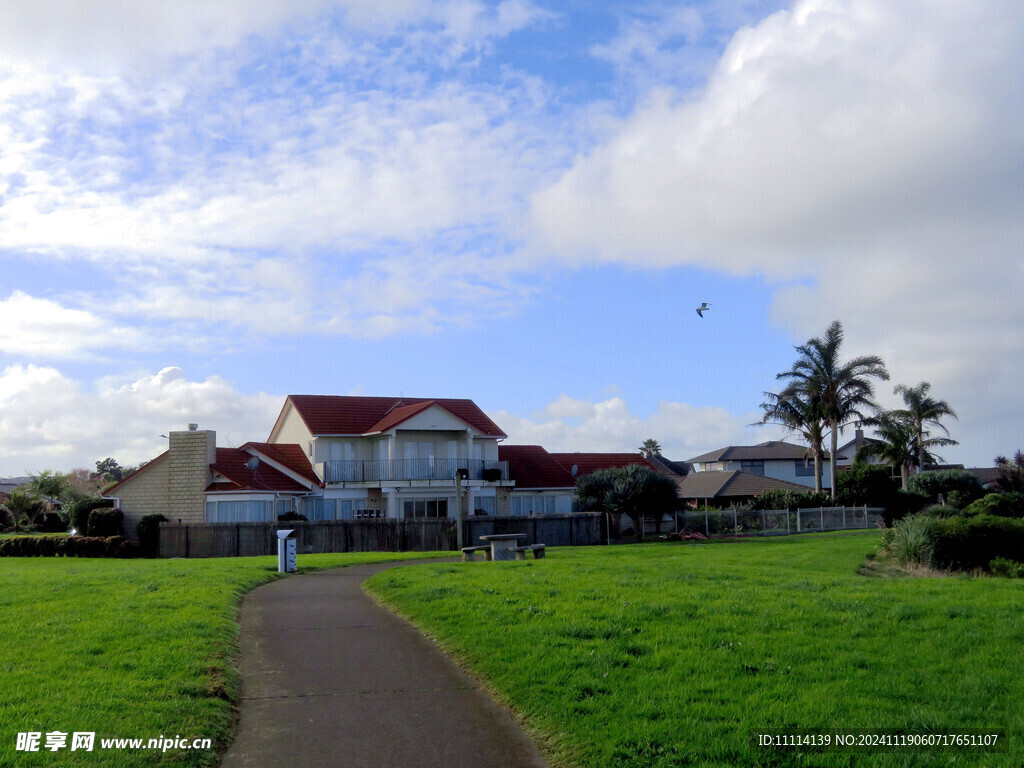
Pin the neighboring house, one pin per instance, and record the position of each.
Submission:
(846, 454)
(726, 488)
(543, 485)
(774, 459)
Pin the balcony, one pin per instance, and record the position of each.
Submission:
(390, 470)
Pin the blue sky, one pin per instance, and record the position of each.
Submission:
(207, 206)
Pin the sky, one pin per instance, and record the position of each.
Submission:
(208, 205)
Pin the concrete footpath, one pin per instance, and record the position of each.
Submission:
(329, 678)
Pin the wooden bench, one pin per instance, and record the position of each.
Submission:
(469, 553)
(537, 549)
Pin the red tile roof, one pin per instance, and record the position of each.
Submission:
(231, 464)
(343, 415)
(290, 455)
(533, 467)
(588, 463)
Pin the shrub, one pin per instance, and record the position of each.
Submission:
(997, 504)
(973, 542)
(939, 511)
(784, 498)
(866, 484)
(913, 539)
(290, 516)
(6, 519)
(77, 512)
(50, 522)
(106, 522)
(1011, 569)
(945, 481)
(148, 533)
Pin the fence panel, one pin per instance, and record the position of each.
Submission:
(779, 522)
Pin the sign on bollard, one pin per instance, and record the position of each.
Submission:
(286, 552)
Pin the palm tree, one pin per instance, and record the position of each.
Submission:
(898, 443)
(651, 447)
(923, 410)
(1011, 472)
(843, 390)
(802, 415)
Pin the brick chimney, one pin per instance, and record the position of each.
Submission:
(190, 455)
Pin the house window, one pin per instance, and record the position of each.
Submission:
(753, 467)
(412, 508)
(237, 511)
(804, 468)
(483, 505)
(318, 509)
(533, 505)
(351, 509)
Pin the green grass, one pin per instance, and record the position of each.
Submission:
(127, 648)
(661, 655)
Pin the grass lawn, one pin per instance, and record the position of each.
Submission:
(669, 655)
(127, 648)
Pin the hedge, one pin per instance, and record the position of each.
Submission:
(148, 532)
(77, 512)
(946, 481)
(68, 546)
(106, 522)
(963, 543)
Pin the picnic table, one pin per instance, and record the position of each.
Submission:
(503, 545)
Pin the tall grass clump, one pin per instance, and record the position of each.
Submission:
(912, 540)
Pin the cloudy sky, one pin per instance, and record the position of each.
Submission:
(206, 206)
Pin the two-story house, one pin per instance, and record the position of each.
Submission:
(396, 457)
(774, 459)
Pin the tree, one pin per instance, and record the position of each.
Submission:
(843, 391)
(52, 484)
(633, 490)
(923, 411)
(898, 443)
(651, 447)
(1011, 473)
(111, 471)
(23, 503)
(802, 415)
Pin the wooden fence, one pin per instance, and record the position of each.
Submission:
(380, 535)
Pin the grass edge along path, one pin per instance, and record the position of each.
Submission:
(661, 655)
(130, 649)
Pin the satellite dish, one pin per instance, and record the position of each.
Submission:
(574, 470)
(252, 463)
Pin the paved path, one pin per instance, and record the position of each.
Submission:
(329, 678)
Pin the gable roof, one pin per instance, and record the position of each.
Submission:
(231, 464)
(773, 449)
(533, 467)
(346, 415)
(732, 482)
(289, 455)
(588, 463)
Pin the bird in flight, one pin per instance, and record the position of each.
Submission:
(702, 307)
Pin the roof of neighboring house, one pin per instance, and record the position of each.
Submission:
(8, 484)
(231, 465)
(533, 467)
(773, 449)
(290, 455)
(346, 415)
(663, 465)
(986, 475)
(107, 491)
(724, 483)
(588, 463)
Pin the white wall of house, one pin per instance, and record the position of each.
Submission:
(784, 469)
(292, 429)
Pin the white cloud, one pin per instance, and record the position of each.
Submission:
(41, 328)
(683, 430)
(56, 423)
(870, 148)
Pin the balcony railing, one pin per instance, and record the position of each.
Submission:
(387, 470)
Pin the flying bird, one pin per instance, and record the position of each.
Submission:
(702, 307)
